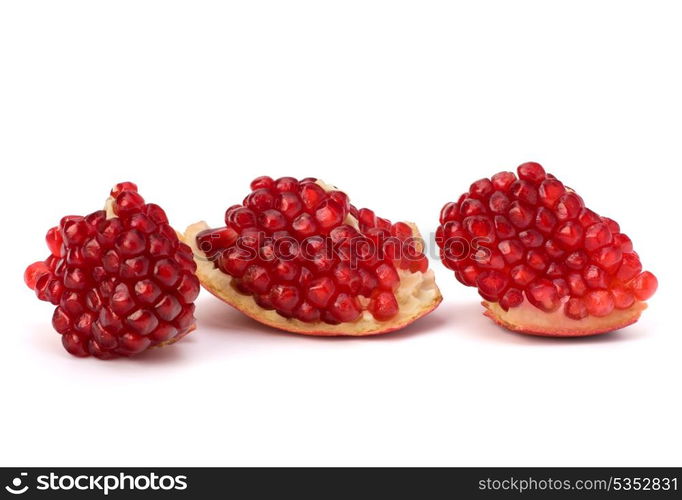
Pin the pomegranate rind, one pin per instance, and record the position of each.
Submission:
(417, 296)
(528, 319)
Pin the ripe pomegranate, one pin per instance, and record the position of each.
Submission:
(544, 263)
(296, 255)
(120, 278)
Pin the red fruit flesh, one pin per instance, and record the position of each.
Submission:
(120, 278)
(544, 263)
(298, 256)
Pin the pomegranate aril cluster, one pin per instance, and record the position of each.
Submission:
(121, 284)
(290, 246)
(529, 236)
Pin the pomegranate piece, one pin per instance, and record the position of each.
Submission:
(544, 263)
(121, 279)
(296, 255)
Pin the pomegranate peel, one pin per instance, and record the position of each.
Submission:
(401, 292)
(525, 319)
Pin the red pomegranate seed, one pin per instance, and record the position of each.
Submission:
(366, 218)
(147, 292)
(623, 242)
(156, 213)
(329, 214)
(242, 218)
(347, 278)
(369, 282)
(499, 203)
(166, 272)
(75, 344)
(568, 207)
(383, 306)
(595, 277)
(304, 225)
(401, 231)
(168, 308)
(289, 204)
(285, 298)
(264, 182)
(130, 243)
(320, 291)
(532, 172)
(471, 207)
(522, 275)
(272, 220)
(163, 333)
(545, 220)
(307, 313)
(622, 298)
(549, 192)
(520, 215)
(123, 186)
(569, 235)
(587, 218)
(34, 272)
(142, 223)
(449, 212)
(553, 249)
(575, 309)
(543, 295)
(531, 238)
(599, 302)
(482, 188)
(128, 203)
(512, 251)
(260, 199)
(285, 271)
(54, 241)
(131, 343)
(525, 192)
(577, 260)
(256, 279)
(387, 277)
(344, 308)
(513, 297)
(608, 258)
(629, 268)
(142, 321)
(644, 285)
(491, 284)
(597, 236)
(503, 181)
(285, 184)
(576, 284)
(341, 199)
(420, 264)
(210, 241)
(312, 195)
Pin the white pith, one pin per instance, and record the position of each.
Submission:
(416, 295)
(109, 207)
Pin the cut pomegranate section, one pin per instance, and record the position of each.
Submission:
(544, 263)
(121, 279)
(296, 255)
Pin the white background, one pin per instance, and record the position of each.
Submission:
(403, 105)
